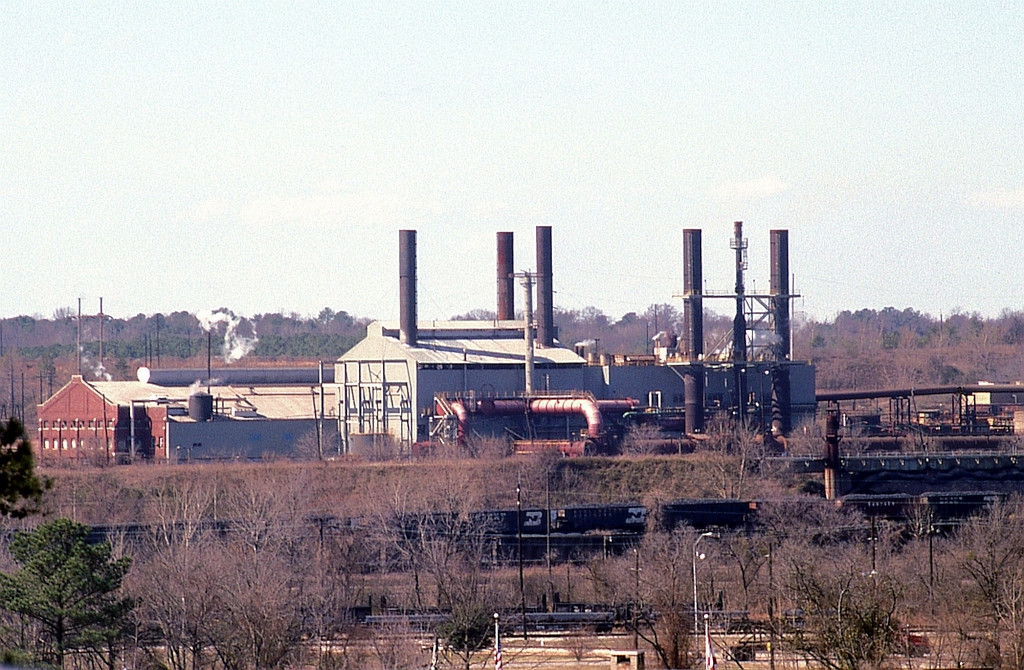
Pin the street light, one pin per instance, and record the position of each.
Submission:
(694, 556)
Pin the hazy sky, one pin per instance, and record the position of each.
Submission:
(262, 157)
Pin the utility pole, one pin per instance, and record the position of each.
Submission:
(519, 542)
(78, 341)
(528, 278)
(636, 597)
(771, 608)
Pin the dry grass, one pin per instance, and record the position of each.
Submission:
(347, 488)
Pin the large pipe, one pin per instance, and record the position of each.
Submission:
(407, 287)
(585, 406)
(693, 307)
(780, 292)
(462, 418)
(588, 408)
(506, 279)
(545, 291)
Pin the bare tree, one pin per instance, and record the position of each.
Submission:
(660, 596)
(851, 618)
(991, 557)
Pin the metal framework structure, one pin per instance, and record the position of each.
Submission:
(375, 405)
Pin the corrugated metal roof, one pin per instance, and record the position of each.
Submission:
(123, 393)
(457, 343)
(270, 402)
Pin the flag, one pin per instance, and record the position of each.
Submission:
(710, 662)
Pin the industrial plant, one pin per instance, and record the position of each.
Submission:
(419, 383)
(415, 384)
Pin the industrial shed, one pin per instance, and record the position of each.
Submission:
(128, 421)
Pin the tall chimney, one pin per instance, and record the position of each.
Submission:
(781, 388)
(407, 286)
(545, 292)
(739, 324)
(693, 304)
(506, 281)
(780, 292)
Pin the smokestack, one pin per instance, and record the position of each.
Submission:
(506, 281)
(545, 292)
(407, 286)
(693, 399)
(780, 292)
(781, 389)
(739, 324)
(693, 303)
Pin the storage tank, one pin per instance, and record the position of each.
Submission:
(200, 406)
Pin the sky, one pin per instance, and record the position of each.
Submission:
(262, 157)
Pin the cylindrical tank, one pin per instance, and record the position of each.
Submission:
(200, 406)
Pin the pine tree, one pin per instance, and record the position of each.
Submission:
(69, 587)
(21, 490)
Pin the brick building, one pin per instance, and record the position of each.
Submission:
(101, 422)
(128, 421)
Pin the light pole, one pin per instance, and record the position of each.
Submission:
(694, 557)
(636, 598)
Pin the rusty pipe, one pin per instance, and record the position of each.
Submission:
(585, 406)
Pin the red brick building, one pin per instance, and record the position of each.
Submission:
(129, 421)
(103, 422)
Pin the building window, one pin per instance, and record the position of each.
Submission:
(42, 424)
(74, 443)
(92, 423)
(65, 445)
(46, 444)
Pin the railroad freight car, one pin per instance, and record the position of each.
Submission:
(937, 505)
(628, 517)
(707, 514)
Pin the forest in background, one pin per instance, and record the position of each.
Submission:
(866, 348)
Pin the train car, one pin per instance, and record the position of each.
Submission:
(629, 517)
(890, 506)
(707, 514)
(946, 505)
(503, 522)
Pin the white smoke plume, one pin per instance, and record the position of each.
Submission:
(97, 367)
(236, 345)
